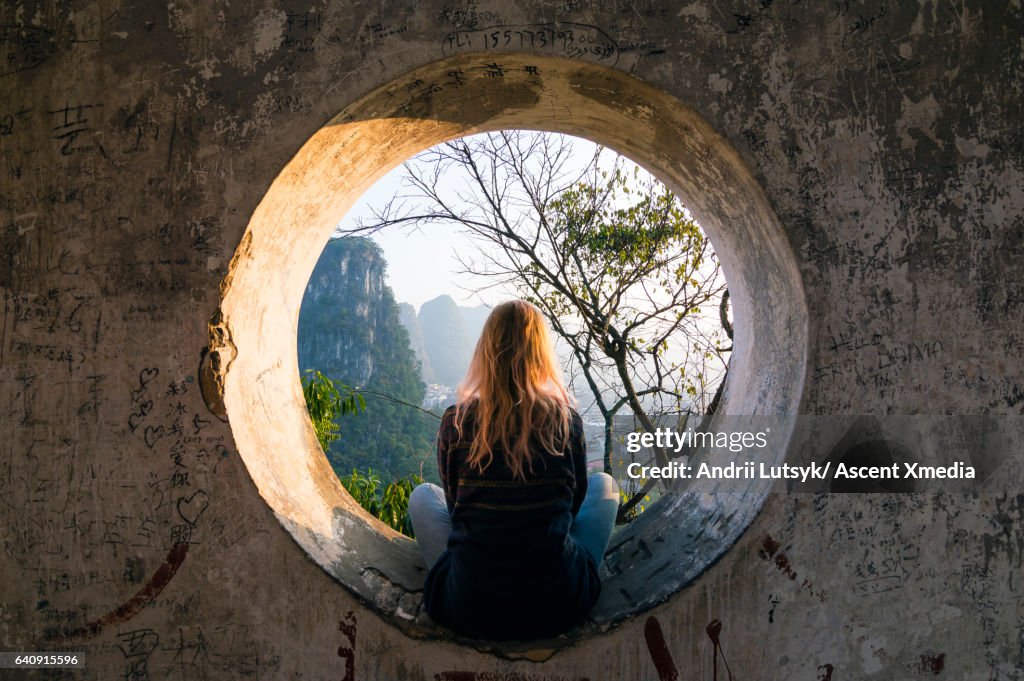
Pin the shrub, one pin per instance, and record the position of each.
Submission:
(389, 502)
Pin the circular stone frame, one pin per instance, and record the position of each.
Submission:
(253, 336)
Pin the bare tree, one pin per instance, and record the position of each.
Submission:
(620, 269)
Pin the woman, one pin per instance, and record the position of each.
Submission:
(514, 538)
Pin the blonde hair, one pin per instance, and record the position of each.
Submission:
(514, 387)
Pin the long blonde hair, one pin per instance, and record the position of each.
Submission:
(514, 387)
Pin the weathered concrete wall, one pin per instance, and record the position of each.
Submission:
(139, 140)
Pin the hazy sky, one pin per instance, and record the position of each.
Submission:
(421, 262)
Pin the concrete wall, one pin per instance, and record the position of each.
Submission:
(145, 150)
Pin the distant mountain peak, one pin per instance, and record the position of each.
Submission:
(448, 332)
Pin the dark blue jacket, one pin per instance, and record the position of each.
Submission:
(511, 571)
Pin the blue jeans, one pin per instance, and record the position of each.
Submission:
(591, 528)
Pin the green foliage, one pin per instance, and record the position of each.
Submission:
(626, 254)
(627, 238)
(618, 232)
(325, 401)
(388, 503)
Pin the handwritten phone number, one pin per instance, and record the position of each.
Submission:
(576, 41)
(541, 38)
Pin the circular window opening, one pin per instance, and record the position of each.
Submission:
(254, 340)
(399, 296)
